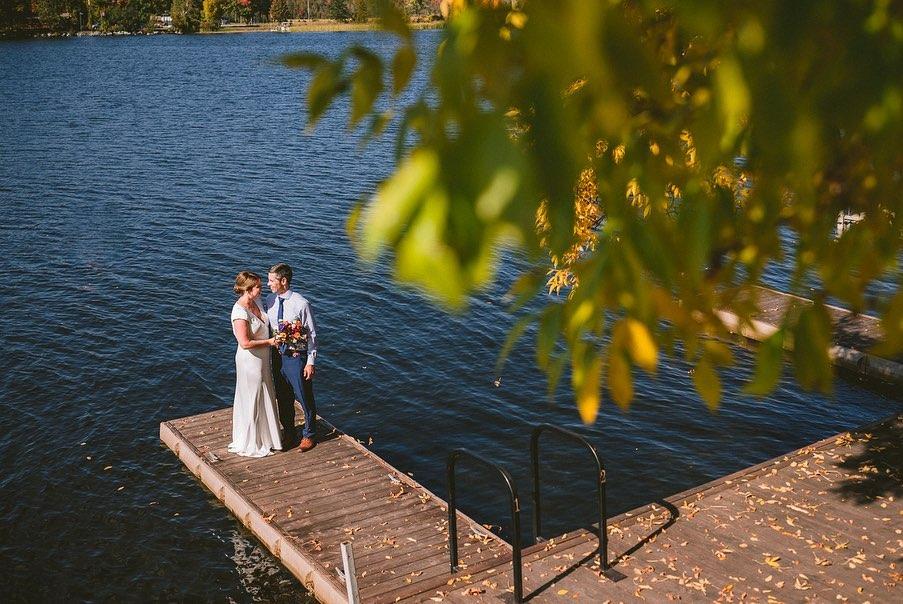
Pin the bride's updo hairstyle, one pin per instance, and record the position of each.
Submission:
(244, 281)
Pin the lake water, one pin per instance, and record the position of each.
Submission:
(137, 176)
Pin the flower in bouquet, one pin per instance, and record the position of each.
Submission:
(291, 337)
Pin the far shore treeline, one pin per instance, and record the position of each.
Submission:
(39, 17)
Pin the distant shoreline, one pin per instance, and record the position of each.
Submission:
(295, 26)
(318, 25)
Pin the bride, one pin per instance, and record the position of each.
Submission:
(255, 418)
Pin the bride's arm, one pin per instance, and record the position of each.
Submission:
(242, 331)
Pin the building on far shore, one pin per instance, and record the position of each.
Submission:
(162, 22)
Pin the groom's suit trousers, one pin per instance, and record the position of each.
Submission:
(290, 387)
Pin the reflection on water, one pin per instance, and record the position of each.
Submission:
(261, 576)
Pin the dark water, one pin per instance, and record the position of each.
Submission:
(137, 176)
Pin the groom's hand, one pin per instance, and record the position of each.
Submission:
(308, 372)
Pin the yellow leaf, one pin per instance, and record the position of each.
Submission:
(620, 381)
(733, 97)
(562, 592)
(516, 19)
(642, 348)
(708, 384)
(396, 201)
(578, 319)
(719, 353)
(352, 223)
(586, 378)
(772, 561)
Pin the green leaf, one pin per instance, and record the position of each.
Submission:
(718, 353)
(580, 314)
(326, 84)
(413, 118)
(367, 83)
(396, 201)
(378, 123)
(892, 326)
(392, 19)
(708, 384)
(526, 287)
(402, 67)
(514, 335)
(554, 369)
(303, 60)
(811, 342)
(424, 258)
(769, 364)
(547, 336)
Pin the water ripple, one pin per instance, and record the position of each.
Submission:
(137, 176)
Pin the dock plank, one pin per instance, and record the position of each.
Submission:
(854, 335)
(300, 505)
(821, 523)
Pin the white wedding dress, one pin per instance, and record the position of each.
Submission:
(255, 416)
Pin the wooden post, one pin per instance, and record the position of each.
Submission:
(350, 576)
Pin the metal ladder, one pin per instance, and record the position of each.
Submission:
(514, 502)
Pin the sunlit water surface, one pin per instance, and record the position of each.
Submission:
(137, 176)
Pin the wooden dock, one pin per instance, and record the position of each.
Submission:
(853, 334)
(822, 523)
(303, 506)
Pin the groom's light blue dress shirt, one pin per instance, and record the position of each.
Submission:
(295, 306)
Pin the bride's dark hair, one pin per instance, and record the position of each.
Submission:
(244, 281)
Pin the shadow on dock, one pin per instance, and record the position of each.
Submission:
(876, 470)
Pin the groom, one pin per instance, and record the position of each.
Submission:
(293, 373)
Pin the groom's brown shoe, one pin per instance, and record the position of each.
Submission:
(307, 444)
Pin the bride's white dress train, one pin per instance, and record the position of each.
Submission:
(255, 416)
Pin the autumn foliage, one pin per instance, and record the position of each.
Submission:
(659, 156)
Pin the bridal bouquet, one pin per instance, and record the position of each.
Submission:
(291, 337)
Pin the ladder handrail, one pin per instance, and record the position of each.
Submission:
(600, 487)
(515, 516)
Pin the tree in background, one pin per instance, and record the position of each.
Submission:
(126, 16)
(212, 14)
(415, 8)
(360, 10)
(279, 10)
(186, 16)
(58, 15)
(242, 11)
(639, 109)
(338, 9)
(311, 9)
(15, 14)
